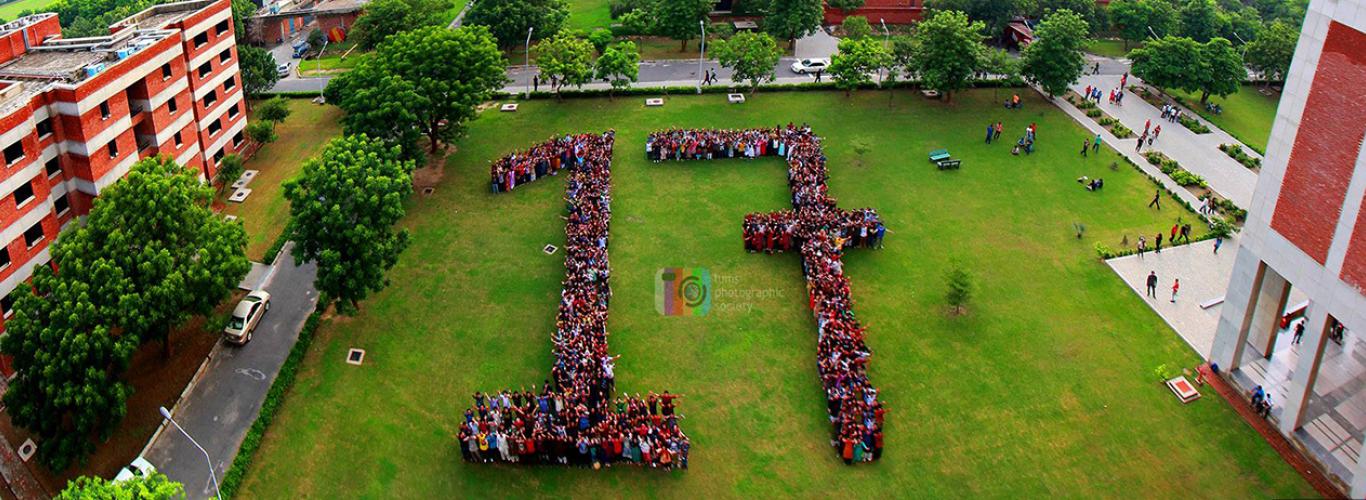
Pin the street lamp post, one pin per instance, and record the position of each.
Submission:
(886, 41)
(702, 55)
(528, 60)
(320, 68)
(1154, 33)
(166, 414)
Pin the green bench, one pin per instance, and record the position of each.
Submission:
(942, 159)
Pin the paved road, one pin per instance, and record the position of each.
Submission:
(224, 403)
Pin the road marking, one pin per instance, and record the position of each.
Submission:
(251, 372)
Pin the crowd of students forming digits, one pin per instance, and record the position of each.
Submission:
(820, 231)
(574, 419)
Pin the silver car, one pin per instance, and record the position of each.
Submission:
(246, 317)
(805, 66)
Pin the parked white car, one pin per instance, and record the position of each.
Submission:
(139, 468)
(805, 66)
(246, 317)
(282, 70)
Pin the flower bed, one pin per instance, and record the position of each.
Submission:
(1101, 117)
(1236, 152)
(1173, 169)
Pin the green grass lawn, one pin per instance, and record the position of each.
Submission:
(589, 15)
(1045, 389)
(10, 11)
(302, 136)
(455, 9)
(1247, 115)
(1108, 47)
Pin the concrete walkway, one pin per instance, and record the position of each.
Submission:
(1198, 153)
(1204, 278)
(222, 403)
(816, 45)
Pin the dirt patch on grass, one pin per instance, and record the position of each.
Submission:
(156, 382)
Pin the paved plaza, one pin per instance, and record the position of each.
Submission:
(1204, 277)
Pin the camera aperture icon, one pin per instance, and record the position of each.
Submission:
(683, 291)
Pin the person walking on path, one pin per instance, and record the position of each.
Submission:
(1158, 248)
(1172, 238)
(1176, 287)
(1142, 246)
(1095, 148)
(818, 75)
(1152, 284)
(1157, 200)
(1138, 148)
(1218, 242)
(1299, 332)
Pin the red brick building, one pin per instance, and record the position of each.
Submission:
(75, 114)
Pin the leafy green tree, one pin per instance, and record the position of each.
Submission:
(155, 486)
(1167, 62)
(184, 262)
(750, 56)
(262, 132)
(905, 48)
(258, 69)
(793, 19)
(241, 10)
(848, 6)
(994, 14)
(856, 60)
(566, 59)
(948, 51)
(426, 81)
(1089, 11)
(960, 284)
(1201, 20)
(385, 18)
(68, 387)
(1271, 53)
(343, 207)
(856, 27)
(508, 20)
(1133, 18)
(316, 38)
(275, 109)
(1221, 69)
(678, 19)
(229, 169)
(619, 65)
(1244, 25)
(600, 38)
(1055, 58)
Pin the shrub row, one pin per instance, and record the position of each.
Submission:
(1193, 124)
(274, 398)
(1173, 169)
(1236, 152)
(729, 89)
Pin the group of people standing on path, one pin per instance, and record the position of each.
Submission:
(1149, 135)
(574, 419)
(1180, 233)
(1152, 286)
(821, 231)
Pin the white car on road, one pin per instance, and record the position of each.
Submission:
(282, 70)
(139, 468)
(246, 317)
(805, 66)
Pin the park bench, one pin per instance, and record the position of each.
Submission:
(939, 154)
(948, 164)
(942, 159)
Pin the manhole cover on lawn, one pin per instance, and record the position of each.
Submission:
(550, 249)
(654, 102)
(240, 195)
(427, 191)
(229, 218)
(355, 356)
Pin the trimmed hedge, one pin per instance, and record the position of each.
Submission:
(274, 398)
(1236, 152)
(731, 89)
(280, 241)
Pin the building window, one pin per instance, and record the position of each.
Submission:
(34, 235)
(4, 262)
(177, 140)
(237, 139)
(210, 98)
(218, 157)
(23, 194)
(225, 55)
(45, 127)
(53, 166)
(232, 112)
(201, 39)
(229, 84)
(165, 71)
(215, 127)
(221, 28)
(170, 105)
(205, 69)
(14, 153)
(62, 203)
(104, 110)
(114, 148)
(7, 302)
